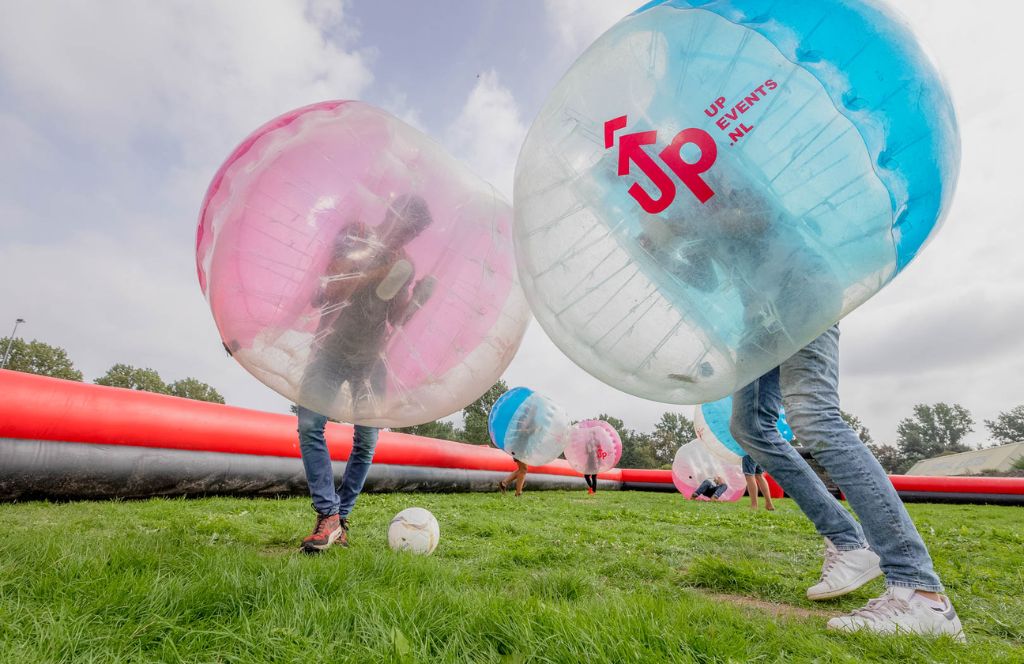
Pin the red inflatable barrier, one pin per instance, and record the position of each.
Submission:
(998, 485)
(37, 408)
(40, 408)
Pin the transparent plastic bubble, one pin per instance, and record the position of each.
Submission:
(594, 447)
(695, 463)
(529, 426)
(357, 269)
(711, 422)
(714, 184)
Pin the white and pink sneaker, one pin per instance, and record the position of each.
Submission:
(844, 571)
(903, 611)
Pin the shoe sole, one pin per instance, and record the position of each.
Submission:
(959, 637)
(865, 578)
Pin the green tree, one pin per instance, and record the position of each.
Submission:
(191, 388)
(637, 448)
(890, 457)
(295, 411)
(36, 357)
(933, 431)
(440, 429)
(133, 378)
(672, 432)
(1008, 427)
(475, 415)
(858, 427)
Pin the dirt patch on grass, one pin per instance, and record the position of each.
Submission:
(764, 606)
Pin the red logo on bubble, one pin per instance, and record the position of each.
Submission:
(632, 153)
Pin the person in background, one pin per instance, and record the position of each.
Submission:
(517, 478)
(754, 476)
(592, 448)
(711, 488)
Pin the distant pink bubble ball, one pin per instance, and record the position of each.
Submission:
(594, 447)
(357, 269)
(694, 463)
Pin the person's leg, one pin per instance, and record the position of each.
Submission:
(701, 490)
(521, 477)
(316, 460)
(810, 387)
(751, 490)
(755, 410)
(593, 482)
(750, 469)
(762, 484)
(364, 441)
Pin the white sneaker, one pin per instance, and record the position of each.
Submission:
(902, 610)
(844, 571)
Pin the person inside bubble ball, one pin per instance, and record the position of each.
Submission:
(748, 246)
(885, 541)
(711, 489)
(781, 278)
(754, 476)
(365, 296)
(593, 446)
(527, 427)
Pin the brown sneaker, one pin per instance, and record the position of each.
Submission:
(328, 530)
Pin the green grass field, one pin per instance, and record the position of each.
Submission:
(550, 577)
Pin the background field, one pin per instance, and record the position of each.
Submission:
(551, 577)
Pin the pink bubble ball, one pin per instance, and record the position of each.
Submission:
(357, 269)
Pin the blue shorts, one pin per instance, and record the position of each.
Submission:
(750, 466)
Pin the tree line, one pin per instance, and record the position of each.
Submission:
(931, 431)
(40, 358)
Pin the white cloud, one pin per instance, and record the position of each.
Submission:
(489, 131)
(115, 116)
(577, 23)
(199, 73)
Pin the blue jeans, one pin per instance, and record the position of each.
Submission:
(319, 471)
(808, 385)
(709, 489)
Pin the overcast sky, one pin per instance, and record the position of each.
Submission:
(114, 116)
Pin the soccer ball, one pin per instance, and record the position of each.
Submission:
(414, 529)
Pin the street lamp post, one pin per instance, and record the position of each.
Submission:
(10, 342)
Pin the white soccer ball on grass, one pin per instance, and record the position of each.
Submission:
(414, 529)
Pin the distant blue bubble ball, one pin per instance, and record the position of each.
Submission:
(529, 426)
(711, 421)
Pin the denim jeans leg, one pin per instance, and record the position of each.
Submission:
(755, 411)
(810, 390)
(316, 459)
(702, 489)
(364, 441)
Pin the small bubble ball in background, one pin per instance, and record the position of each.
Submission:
(357, 269)
(715, 183)
(529, 426)
(594, 447)
(695, 462)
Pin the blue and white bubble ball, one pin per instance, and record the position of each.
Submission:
(711, 422)
(529, 426)
(714, 183)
